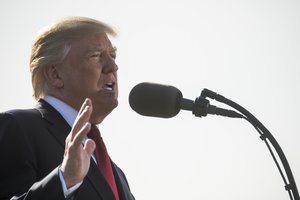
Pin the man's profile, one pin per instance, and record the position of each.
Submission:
(46, 151)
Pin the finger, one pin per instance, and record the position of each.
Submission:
(81, 122)
(77, 141)
(86, 102)
(83, 117)
(89, 146)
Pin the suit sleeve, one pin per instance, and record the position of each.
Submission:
(19, 166)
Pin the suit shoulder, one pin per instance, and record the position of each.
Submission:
(19, 114)
(15, 119)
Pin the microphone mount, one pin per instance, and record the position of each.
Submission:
(201, 108)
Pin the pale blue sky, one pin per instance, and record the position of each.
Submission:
(248, 51)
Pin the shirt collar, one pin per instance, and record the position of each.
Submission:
(67, 112)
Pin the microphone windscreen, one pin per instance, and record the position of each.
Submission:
(156, 100)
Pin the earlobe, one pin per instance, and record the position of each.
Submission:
(53, 77)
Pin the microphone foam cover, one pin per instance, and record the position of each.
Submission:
(156, 100)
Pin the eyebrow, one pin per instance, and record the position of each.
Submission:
(114, 49)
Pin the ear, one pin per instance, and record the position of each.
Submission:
(53, 77)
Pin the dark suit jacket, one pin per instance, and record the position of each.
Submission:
(31, 149)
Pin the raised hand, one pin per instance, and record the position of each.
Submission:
(77, 155)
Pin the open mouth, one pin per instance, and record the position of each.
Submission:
(109, 86)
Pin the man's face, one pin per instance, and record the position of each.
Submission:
(90, 71)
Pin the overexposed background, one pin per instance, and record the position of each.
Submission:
(248, 51)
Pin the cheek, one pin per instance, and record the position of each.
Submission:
(92, 76)
(83, 82)
(98, 80)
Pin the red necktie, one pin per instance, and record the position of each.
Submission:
(103, 160)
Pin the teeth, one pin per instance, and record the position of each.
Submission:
(109, 86)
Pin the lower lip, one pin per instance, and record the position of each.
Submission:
(109, 92)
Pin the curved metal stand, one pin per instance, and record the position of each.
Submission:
(290, 185)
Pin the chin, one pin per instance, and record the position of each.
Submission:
(99, 115)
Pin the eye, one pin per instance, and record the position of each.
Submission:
(96, 55)
(113, 53)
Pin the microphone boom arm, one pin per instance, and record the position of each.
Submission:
(291, 186)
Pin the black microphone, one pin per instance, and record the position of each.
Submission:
(157, 100)
(151, 99)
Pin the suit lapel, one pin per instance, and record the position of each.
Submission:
(99, 183)
(54, 122)
(123, 187)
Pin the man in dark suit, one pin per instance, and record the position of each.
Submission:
(45, 152)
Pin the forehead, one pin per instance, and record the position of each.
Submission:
(93, 41)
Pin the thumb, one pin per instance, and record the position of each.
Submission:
(89, 146)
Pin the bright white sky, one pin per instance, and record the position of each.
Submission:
(248, 51)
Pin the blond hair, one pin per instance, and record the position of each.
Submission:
(53, 44)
